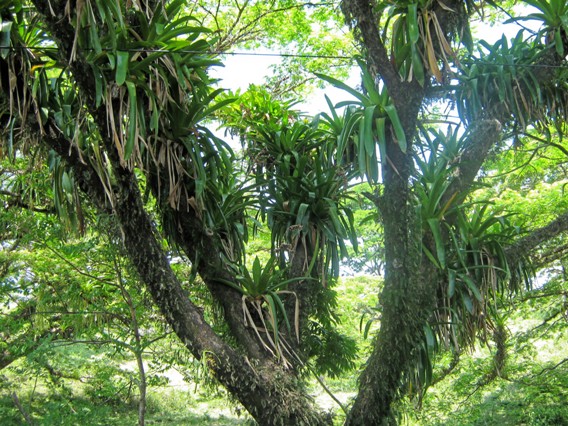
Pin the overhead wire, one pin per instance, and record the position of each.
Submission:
(275, 55)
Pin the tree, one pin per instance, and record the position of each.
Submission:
(313, 28)
(117, 95)
(491, 100)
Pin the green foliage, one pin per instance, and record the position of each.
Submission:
(163, 91)
(126, 92)
(253, 107)
(554, 17)
(301, 187)
(367, 123)
(262, 289)
(465, 242)
(418, 39)
(286, 26)
(506, 74)
(530, 388)
(535, 191)
(262, 280)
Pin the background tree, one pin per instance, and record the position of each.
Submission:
(315, 29)
(61, 289)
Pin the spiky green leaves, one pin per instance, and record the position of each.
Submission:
(514, 81)
(463, 241)
(371, 120)
(263, 309)
(418, 40)
(554, 16)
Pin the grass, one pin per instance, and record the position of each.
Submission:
(165, 407)
(106, 395)
(532, 392)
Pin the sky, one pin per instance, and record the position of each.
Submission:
(242, 70)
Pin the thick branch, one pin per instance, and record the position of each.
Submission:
(360, 14)
(406, 298)
(203, 251)
(194, 238)
(85, 175)
(231, 369)
(482, 136)
(251, 385)
(526, 245)
(15, 200)
(550, 255)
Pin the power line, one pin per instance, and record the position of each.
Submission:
(196, 52)
(287, 55)
(276, 55)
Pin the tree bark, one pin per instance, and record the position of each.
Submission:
(202, 250)
(406, 300)
(527, 245)
(268, 391)
(249, 383)
(482, 136)
(407, 297)
(411, 281)
(248, 380)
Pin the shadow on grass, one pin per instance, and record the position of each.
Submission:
(47, 410)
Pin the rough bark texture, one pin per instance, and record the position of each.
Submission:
(269, 392)
(482, 136)
(203, 250)
(405, 298)
(306, 291)
(411, 282)
(247, 382)
(526, 245)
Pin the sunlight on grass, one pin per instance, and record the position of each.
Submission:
(532, 391)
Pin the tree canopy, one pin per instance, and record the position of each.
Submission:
(107, 116)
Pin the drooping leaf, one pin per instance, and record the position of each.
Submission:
(412, 19)
(397, 127)
(122, 61)
(132, 121)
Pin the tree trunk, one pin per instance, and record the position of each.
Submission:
(142, 386)
(249, 383)
(248, 380)
(406, 300)
(138, 349)
(268, 392)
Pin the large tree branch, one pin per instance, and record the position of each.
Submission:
(405, 298)
(550, 255)
(204, 253)
(16, 200)
(361, 15)
(250, 384)
(230, 368)
(528, 244)
(238, 375)
(482, 136)
(194, 238)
